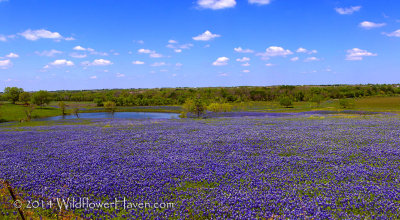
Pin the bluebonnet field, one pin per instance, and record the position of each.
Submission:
(290, 167)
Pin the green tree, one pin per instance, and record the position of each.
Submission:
(346, 103)
(196, 106)
(12, 93)
(24, 97)
(41, 98)
(317, 99)
(286, 102)
(110, 107)
(98, 101)
(62, 106)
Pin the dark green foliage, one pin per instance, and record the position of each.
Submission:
(98, 101)
(110, 106)
(286, 102)
(24, 97)
(346, 103)
(41, 98)
(12, 93)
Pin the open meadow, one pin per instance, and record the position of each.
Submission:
(268, 167)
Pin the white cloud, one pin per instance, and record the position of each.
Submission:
(3, 38)
(310, 59)
(269, 64)
(303, 50)
(358, 54)
(216, 4)
(97, 62)
(137, 62)
(79, 48)
(139, 41)
(348, 11)
(178, 64)
(240, 50)
(260, 2)
(12, 55)
(294, 59)
(393, 34)
(221, 61)
(47, 53)
(274, 51)
(172, 41)
(243, 59)
(77, 55)
(5, 64)
(119, 75)
(93, 77)
(246, 64)
(159, 64)
(223, 74)
(178, 48)
(34, 35)
(246, 71)
(152, 53)
(62, 63)
(370, 25)
(206, 36)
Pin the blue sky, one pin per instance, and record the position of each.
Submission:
(95, 44)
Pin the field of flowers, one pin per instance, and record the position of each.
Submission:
(292, 167)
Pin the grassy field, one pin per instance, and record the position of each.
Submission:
(10, 112)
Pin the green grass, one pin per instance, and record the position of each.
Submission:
(10, 112)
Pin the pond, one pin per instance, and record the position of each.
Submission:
(134, 115)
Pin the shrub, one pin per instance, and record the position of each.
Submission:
(346, 103)
(110, 106)
(286, 102)
(99, 102)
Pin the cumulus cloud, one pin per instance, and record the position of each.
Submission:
(206, 36)
(370, 25)
(393, 34)
(152, 53)
(172, 41)
(12, 55)
(260, 2)
(93, 77)
(216, 4)
(246, 64)
(294, 59)
(246, 71)
(221, 61)
(137, 62)
(159, 64)
(178, 64)
(48, 53)
(348, 11)
(275, 51)
(60, 63)
(303, 50)
(97, 62)
(241, 50)
(34, 35)
(79, 48)
(358, 54)
(269, 64)
(243, 59)
(310, 59)
(5, 64)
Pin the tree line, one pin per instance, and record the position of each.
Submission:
(178, 96)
